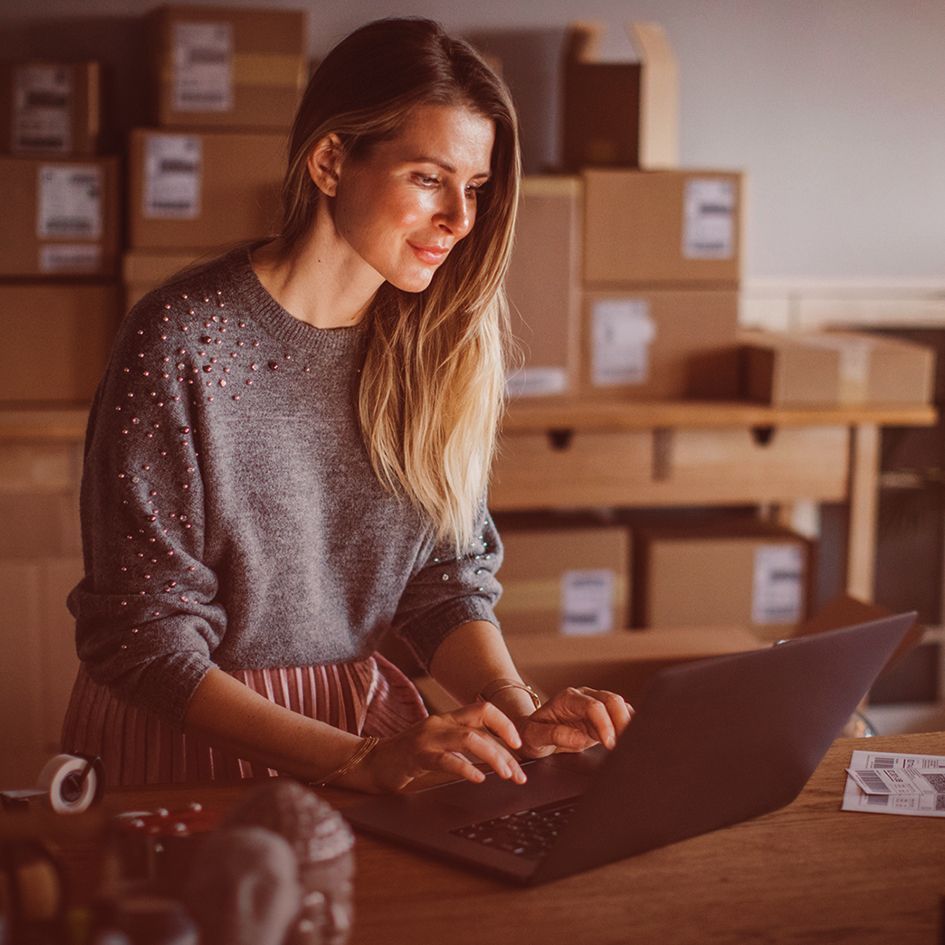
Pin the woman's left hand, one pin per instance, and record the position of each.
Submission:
(574, 719)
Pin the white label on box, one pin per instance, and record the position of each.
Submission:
(854, 363)
(623, 331)
(203, 67)
(42, 109)
(537, 382)
(587, 601)
(69, 201)
(172, 177)
(778, 592)
(70, 257)
(709, 224)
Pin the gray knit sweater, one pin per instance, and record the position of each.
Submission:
(230, 515)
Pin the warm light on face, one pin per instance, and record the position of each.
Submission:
(404, 206)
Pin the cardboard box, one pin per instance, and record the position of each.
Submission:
(835, 368)
(543, 286)
(571, 581)
(731, 572)
(57, 337)
(192, 192)
(620, 113)
(662, 228)
(659, 344)
(143, 271)
(221, 67)
(50, 107)
(60, 216)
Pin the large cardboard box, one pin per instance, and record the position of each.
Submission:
(730, 572)
(60, 216)
(57, 337)
(572, 580)
(191, 192)
(834, 368)
(659, 344)
(223, 67)
(142, 271)
(544, 285)
(50, 107)
(620, 113)
(662, 228)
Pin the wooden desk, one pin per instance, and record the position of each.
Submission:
(808, 873)
(587, 454)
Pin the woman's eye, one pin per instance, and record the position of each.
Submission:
(426, 181)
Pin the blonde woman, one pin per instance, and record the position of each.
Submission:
(288, 456)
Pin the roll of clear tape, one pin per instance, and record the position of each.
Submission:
(69, 783)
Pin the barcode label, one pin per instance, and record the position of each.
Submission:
(778, 585)
(42, 109)
(873, 781)
(203, 67)
(70, 258)
(884, 761)
(878, 800)
(173, 177)
(69, 202)
(708, 219)
(587, 601)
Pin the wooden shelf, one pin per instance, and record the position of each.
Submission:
(608, 415)
(57, 424)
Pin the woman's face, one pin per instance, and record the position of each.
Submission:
(412, 198)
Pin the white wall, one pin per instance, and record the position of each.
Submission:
(835, 108)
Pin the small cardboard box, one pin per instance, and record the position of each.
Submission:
(60, 216)
(662, 228)
(730, 572)
(192, 192)
(57, 337)
(835, 368)
(143, 271)
(659, 344)
(572, 580)
(50, 107)
(620, 113)
(223, 67)
(543, 286)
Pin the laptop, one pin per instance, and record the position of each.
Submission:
(713, 743)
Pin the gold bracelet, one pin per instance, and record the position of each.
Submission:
(497, 685)
(368, 745)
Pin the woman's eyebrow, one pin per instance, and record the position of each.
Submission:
(426, 159)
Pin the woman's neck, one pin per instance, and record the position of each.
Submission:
(322, 281)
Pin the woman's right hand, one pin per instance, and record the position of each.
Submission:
(440, 743)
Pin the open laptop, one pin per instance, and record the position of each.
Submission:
(714, 742)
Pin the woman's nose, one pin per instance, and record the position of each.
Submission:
(457, 214)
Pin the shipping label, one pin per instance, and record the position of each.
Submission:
(203, 67)
(70, 258)
(709, 219)
(778, 587)
(623, 332)
(42, 109)
(69, 201)
(173, 176)
(587, 601)
(537, 382)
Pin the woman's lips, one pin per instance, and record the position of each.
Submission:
(433, 255)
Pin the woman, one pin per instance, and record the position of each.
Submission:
(288, 455)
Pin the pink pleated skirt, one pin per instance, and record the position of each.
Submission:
(365, 697)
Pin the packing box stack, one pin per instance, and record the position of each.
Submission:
(741, 572)
(225, 86)
(60, 242)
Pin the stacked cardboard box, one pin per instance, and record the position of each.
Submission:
(226, 83)
(60, 237)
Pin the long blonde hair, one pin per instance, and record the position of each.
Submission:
(433, 383)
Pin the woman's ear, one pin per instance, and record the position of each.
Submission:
(324, 164)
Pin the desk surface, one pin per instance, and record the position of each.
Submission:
(808, 873)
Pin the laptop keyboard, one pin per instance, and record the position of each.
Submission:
(526, 833)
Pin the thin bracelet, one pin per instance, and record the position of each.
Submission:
(368, 745)
(497, 685)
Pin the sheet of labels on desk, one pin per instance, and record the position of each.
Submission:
(888, 783)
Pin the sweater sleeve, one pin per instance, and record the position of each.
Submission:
(146, 618)
(448, 591)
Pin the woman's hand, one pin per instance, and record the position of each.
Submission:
(574, 719)
(439, 744)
